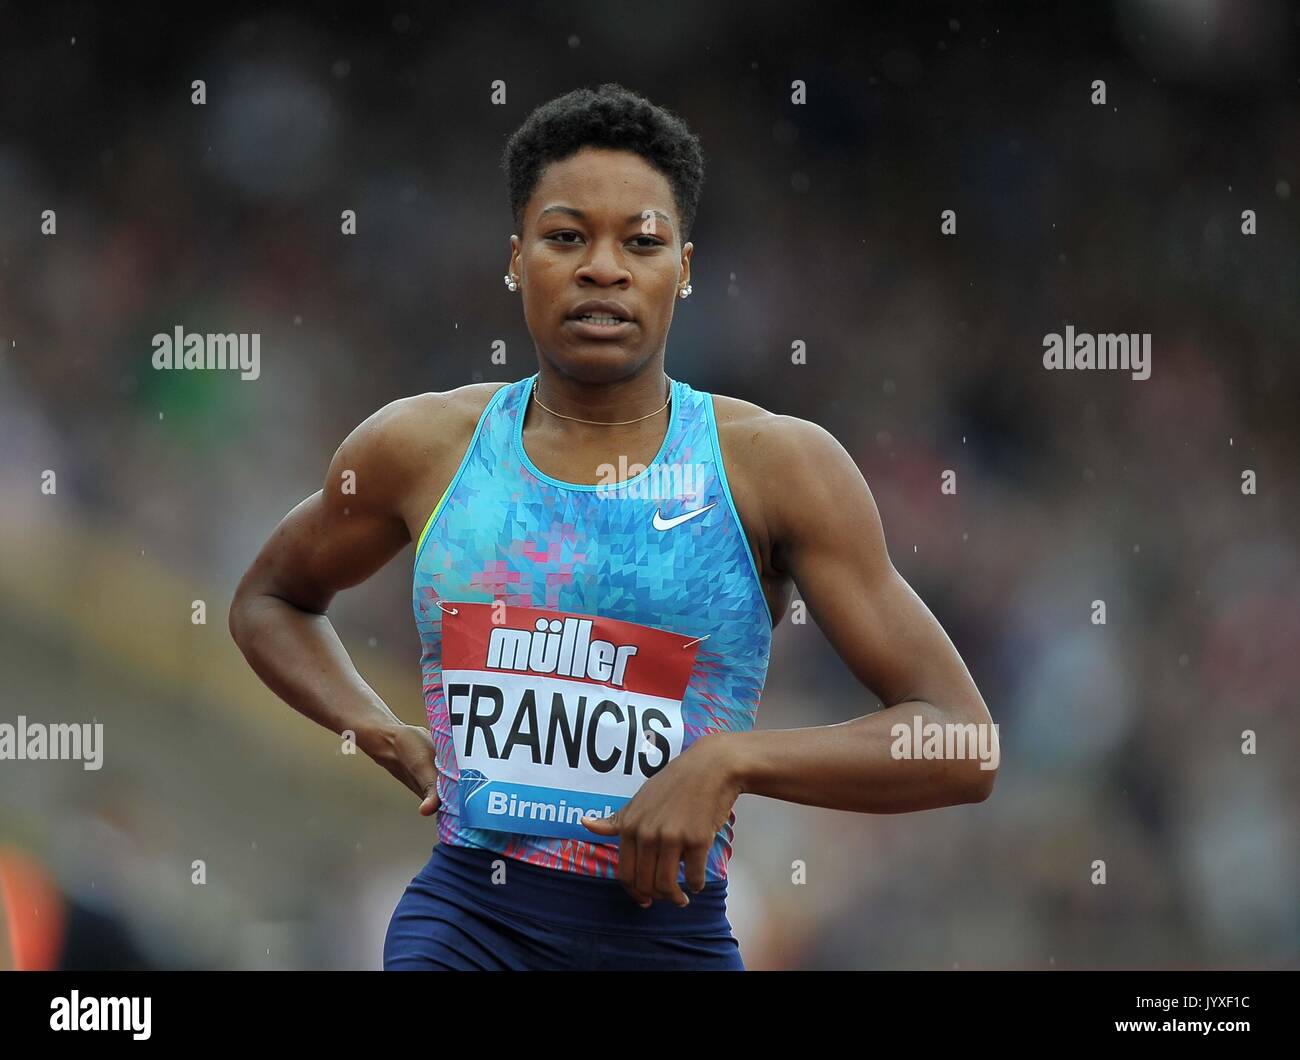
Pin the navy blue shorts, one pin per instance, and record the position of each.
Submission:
(453, 917)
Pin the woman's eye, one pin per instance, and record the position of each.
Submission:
(642, 242)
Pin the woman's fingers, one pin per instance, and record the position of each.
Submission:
(418, 760)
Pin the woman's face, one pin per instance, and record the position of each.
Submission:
(602, 225)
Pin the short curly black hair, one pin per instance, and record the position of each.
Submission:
(610, 116)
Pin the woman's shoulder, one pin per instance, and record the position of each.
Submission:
(462, 403)
(738, 416)
(752, 434)
(424, 429)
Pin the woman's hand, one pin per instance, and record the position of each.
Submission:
(673, 817)
(407, 752)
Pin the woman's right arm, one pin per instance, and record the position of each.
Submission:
(337, 538)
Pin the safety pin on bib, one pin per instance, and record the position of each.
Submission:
(696, 641)
(448, 610)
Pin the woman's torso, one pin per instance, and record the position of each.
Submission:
(654, 632)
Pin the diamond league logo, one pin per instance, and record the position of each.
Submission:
(473, 781)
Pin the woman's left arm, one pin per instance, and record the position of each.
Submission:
(825, 532)
(827, 535)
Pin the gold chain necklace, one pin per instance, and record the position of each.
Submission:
(606, 423)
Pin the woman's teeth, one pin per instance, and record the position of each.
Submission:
(592, 318)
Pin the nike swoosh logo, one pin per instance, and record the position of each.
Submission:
(667, 524)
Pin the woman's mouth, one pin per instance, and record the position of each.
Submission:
(599, 326)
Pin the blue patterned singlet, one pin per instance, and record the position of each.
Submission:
(663, 549)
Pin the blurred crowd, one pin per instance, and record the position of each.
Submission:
(1122, 743)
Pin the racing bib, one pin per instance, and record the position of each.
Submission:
(557, 716)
